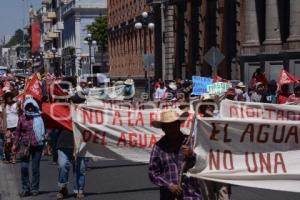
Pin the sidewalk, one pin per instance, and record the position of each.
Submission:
(8, 183)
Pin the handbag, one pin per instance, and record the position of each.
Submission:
(24, 149)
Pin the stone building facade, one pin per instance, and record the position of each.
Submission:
(271, 40)
(250, 34)
(127, 45)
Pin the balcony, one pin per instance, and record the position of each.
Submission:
(51, 15)
(46, 38)
(46, 2)
(52, 35)
(58, 27)
(45, 19)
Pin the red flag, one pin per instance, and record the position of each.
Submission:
(34, 88)
(217, 78)
(35, 35)
(58, 91)
(1, 92)
(57, 116)
(286, 78)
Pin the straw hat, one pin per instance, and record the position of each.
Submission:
(208, 97)
(241, 85)
(173, 86)
(129, 82)
(170, 116)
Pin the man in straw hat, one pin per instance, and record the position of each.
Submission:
(167, 158)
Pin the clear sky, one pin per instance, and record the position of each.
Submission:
(12, 15)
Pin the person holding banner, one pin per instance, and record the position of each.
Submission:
(167, 157)
(213, 190)
(66, 159)
(295, 98)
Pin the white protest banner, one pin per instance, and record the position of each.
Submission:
(248, 152)
(250, 110)
(116, 133)
(116, 92)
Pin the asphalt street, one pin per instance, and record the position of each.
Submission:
(112, 180)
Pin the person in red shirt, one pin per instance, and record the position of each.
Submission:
(295, 98)
(283, 94)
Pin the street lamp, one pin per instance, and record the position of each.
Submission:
(145, 24)
(42, 61)
(54, 51)
(89, 41)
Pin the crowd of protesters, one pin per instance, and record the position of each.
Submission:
(23, 132)
(174, 149)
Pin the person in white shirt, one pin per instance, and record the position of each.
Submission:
(11, 118)
(241, 94)
(160, 93)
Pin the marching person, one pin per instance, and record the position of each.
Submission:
(241, 94)
(259, 93)
(160, 93)
(283, 94)
(295, 98)
(10, 115)
(271, 95)
(67, 159)
(29, 140)
(230, 94)
(167, 157)
(213, 190)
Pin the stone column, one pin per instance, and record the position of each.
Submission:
(272, 41)
(77, 43)
(169, 42)
(294, 37)
(249, 28)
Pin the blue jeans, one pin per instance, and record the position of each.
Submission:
(36, 154)
(53, 140)
(1, 146)
(65, 160)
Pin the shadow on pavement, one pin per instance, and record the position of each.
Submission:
(116, 166)
(123, 191)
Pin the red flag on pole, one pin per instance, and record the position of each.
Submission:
(217, 78)
(57, 115)
(34, 88)
(57, 90)
(286, 78)
(35, 35)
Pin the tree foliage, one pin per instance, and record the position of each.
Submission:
(17, 38)
(99, 31)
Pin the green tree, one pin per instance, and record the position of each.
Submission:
(99, 30)
(17, 38)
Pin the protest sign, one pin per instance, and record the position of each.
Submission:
(218, 88)
(249, 151)
(200, 84)
(259, 111)
(117, 133)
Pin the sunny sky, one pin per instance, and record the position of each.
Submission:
(12, 15)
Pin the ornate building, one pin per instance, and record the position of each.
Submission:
(249, 33)
(127, 45)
